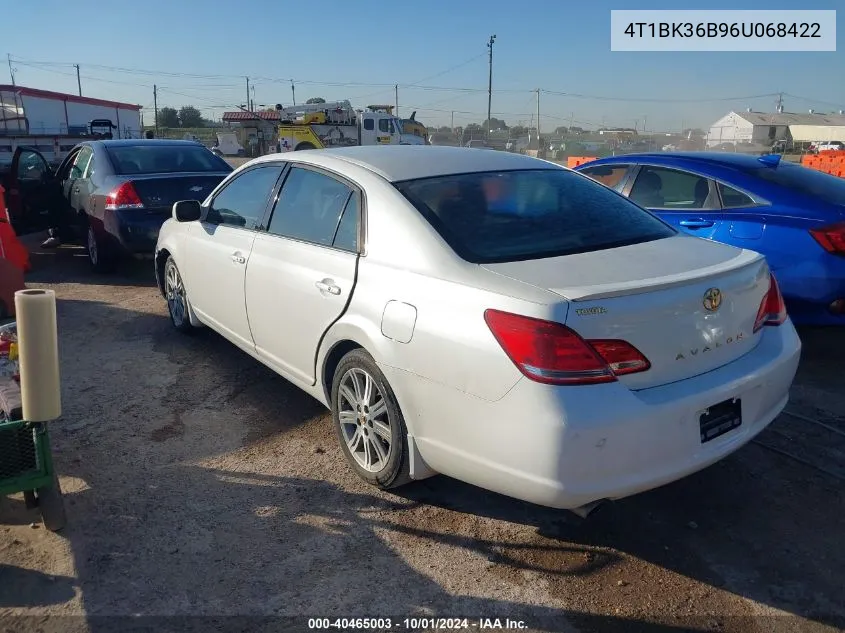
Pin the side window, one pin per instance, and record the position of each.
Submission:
(309, 207)
(31, 166)
(661, 188)
(369, 124)
(243, 201)
(608, 175)
(90, 171)
(346, 237)
(81, 162)
(383, 125)
(733, 199)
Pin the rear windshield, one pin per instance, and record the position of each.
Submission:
(518, 215)
(164, 159)
(804, 180)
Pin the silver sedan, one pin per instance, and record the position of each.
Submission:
(485, 315)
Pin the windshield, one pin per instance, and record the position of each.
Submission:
(529, 214)
(807, 181)
(164, 159)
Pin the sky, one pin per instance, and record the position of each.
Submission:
(200, 53)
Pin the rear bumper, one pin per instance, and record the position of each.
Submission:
(135, 233)
(568, 446)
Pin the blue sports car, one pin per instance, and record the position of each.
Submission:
(793, 215)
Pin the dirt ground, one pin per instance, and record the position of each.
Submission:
(199, 484)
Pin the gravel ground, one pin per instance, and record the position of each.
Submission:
(199, 483)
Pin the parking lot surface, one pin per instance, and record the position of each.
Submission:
(199, 483)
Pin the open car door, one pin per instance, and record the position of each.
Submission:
(32, 190)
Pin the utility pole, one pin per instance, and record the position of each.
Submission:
(293, 91)
(539, 147)
(78, 80)
(11, 70)
(155, 107)
(490, 84)
(571, 121)
(780, 102)
(396, 97)
(247, 94)
(453, 121)
(251, 104)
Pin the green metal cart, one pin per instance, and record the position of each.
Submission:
(26, 463)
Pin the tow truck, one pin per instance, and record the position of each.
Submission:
(338, 124)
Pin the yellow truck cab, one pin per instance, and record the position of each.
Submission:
(412, 126)
(338, 124)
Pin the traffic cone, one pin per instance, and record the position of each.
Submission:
(11, 248)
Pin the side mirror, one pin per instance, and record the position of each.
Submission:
(187, 211)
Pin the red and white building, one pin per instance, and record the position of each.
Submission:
(53, 122)
(43, 112)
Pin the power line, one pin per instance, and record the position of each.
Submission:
(828, 103)
(88, 77)
(654, 100)
(430, 77)
(53, 67)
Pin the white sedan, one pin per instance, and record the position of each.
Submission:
(485, 315)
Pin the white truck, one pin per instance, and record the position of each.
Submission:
(338, 124)
(54, 122)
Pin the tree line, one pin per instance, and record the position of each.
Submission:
(186, 116)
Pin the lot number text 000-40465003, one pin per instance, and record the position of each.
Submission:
(421, 623)
(711, 30)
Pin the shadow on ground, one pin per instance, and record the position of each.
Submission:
(29, 588)
(69, 264)
(170, 526)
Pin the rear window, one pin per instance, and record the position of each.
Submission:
(804, 180)
(164, 159)
(530, 214)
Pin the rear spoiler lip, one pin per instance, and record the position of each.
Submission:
(744, 259)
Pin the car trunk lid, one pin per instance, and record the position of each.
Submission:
(688, 305)
(158, 192)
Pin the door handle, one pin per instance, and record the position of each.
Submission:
(696, 223)
(238, 258)
(327, 285)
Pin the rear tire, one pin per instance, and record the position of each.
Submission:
(368, 422)
(100, 254)
(303, 146)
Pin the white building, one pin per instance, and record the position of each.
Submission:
(764, 128)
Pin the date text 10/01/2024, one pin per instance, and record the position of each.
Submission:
(415, 624)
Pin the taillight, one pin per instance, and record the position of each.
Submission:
(831, 238)
(124, 197)
(772, 309)
(551, 353)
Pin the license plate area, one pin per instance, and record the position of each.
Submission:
(720, 419)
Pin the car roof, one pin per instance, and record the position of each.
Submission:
(724, 159)
(396, 163)
(137, 142)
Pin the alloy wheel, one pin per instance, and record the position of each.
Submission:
(364, 420)
(174, 290)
